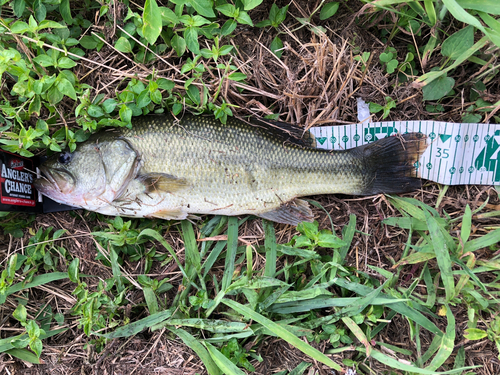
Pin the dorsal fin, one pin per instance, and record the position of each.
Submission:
(286, 131)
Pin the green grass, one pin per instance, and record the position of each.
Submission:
(230, 296)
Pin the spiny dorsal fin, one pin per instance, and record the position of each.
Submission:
(292, 213)
(289, 132)
(162, 182)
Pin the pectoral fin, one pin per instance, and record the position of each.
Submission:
(292, 213)
(162, 182)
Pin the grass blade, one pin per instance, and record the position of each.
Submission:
(222, 361)
(198, 348)
(447, 343)
(270, 246)
(232, 247)
(395, 364)
(155, 235)
(37, 281)
(283, 334)
(442, 256)
(193, 259)
(138, 326)
(358, 333)
(25, 355)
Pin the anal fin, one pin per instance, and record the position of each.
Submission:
(162, 182)
(174, 214)
(292, 213)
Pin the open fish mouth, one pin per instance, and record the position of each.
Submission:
(53, 180)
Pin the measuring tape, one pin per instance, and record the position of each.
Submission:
(457, 154)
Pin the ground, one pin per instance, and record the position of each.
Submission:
(316, 82)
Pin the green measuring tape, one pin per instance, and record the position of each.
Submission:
(457, 154)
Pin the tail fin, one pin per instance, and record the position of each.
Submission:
(390, 164)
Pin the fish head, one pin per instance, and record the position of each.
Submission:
(92, 176)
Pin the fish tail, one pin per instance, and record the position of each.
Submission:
(390, 164)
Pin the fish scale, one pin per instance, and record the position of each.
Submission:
(197, 165)
(239, 165)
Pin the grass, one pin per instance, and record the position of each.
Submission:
(378, 285)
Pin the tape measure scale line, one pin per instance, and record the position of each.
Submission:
(457, 153)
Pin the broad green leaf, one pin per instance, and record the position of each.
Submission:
(237, 76)
(40, 10)
(123, 45)
(89, 42)
(65, 63)
(198, 348)
(168, 16)
(125, 113)
(458, 43)
(276, 47)
(18, 7)
(179, 44)
(20, 313)
(244, 18)
(152, 21)
(191, 38)
(475, 334)
(229, 10)
(328, 10)
(282, 333)
(109, 105)
(73, 270)
(143, 99)
(203, 7)
(43, 60)
(250, 4)
(65, 10)
(19, 27)
(438, 88)
(228, 27)
(66, 88)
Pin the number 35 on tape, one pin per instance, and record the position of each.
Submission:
(458, 154)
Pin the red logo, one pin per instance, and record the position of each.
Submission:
(16, 164)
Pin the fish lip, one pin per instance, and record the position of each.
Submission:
(48, 176)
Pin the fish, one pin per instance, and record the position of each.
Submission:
(174, 168)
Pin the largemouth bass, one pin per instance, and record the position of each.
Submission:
(169, 169)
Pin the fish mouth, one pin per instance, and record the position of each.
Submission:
(54, 181)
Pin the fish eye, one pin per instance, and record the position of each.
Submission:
(65, 157)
